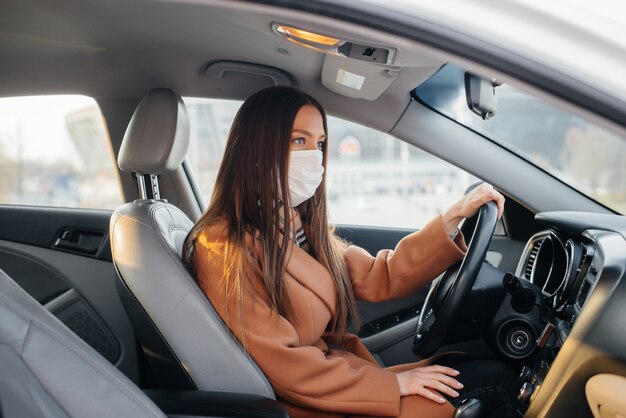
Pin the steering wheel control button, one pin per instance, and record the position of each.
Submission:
(428, 321)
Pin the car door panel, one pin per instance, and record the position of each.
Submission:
(75, 282)
(43, 226)
(373, 240)
(37, 278)
(385, 327)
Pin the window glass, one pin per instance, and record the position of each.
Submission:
(578, 152)
(55, 151)
(376, 179)
(210, 121)
(373, 179)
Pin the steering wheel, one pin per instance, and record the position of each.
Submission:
(448, 293)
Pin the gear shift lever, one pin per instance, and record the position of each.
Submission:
(469, 408)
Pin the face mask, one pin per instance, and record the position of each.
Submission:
(305, 174)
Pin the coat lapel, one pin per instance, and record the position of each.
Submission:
(311, 274)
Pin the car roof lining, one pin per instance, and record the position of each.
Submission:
(123, 49)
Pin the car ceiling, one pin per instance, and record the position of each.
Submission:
(122, 49)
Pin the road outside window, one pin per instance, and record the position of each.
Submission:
(55, 151)
(373, 178)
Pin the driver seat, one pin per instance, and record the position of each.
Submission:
(171, 315)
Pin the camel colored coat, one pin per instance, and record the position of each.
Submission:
(309, 378)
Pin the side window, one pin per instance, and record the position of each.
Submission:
(373, 179)
(210, 121)
(377, 180)
(55, 151)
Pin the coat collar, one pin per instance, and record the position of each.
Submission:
(311, 274)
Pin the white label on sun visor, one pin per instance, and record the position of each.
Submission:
(351, 80)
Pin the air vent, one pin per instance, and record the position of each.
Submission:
(532, 256)
(528, 258)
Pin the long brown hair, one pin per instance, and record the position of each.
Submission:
(252, 175)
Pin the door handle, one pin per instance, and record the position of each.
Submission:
(82, 241)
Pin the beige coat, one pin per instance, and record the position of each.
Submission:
(309, 378)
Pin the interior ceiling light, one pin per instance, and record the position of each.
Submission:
(309, 39)
(307, 36)
(334, 46)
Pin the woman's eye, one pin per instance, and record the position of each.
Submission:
(298, 141)
(320, 145)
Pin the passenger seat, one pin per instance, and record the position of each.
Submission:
(47, 371)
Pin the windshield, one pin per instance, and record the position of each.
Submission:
(581, 154)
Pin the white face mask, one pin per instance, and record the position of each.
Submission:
(305, 174)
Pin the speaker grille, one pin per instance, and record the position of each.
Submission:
(84, 323)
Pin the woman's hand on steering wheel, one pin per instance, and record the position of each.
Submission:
(469, 204)
(429, 381)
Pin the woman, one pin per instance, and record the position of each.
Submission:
(286, 286)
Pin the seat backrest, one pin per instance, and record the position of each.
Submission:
(47, 371)
(146, 241)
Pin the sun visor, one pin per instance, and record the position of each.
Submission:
(356, 79)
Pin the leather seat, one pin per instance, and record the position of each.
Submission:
(146, 241)
(47, 371)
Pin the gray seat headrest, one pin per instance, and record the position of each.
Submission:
(157, 137)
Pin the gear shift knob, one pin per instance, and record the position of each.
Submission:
(469, 408)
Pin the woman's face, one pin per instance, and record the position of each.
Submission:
(307, 132)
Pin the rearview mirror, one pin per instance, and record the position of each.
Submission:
(481, 95)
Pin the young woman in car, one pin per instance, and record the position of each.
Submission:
(285, 284)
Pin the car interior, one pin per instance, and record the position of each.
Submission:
(98, 315)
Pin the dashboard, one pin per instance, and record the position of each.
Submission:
(578, 262)
(566, 261)
(565, 268)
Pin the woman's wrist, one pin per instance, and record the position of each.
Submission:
(402, 385)
(451, 220)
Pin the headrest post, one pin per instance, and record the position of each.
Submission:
(154, 180)
(141, 185)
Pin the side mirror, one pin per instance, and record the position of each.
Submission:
(481, 95)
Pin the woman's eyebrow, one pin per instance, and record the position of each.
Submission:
(304, 131)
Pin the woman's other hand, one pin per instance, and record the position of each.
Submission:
(469, 205)
(429, 382)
